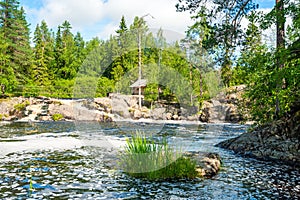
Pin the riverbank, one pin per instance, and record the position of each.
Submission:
(278, 141)
(20, 109)
(116, 107)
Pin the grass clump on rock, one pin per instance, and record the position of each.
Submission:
(57, 117)
(21, 106)
(143, 158)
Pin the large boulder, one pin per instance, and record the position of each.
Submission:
(104, 104)
(225, 107)
(120, 107)
(67, 111)
(158, 113)
(137, 114)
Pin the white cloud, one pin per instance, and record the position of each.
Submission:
(163, 11)
(101, 18)
(79, 13)
(107, 30)
(105, 16)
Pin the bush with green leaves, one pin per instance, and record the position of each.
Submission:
(143, 158)
(21, 106)
(57, 117)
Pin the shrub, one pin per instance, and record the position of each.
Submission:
(143, 158)
(57, 117)
(21, 106)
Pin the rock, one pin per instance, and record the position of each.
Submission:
(277, 141)
(182, 118)
(232, 96)
(187, 111)
(169, 116)
(137, 114)
(120, 107)
(204, 116)
(7, 108)
(207, 164)
(45, 118)
(66, 110)
(193, 118)
(226, 107)
(210, 165)
(158, 113)
(104, 104)
(175, 117)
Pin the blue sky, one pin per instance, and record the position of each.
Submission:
(266, 3)
(101, 17)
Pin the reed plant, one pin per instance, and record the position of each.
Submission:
(144, 158)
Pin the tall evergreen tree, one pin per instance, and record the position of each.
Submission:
(58, 50)
(122, 37)
(16, 32)
(69, 68)
(79, 51)
(119, 59)
(43, 55)
(7, 76)
(8, 10)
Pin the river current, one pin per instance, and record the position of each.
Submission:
(66, 160)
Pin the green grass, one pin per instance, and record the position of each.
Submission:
(143, 158)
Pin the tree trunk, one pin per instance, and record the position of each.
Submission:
(191, 83)
(280, 21)
(280, 45)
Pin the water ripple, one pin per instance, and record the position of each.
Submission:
(84, 173)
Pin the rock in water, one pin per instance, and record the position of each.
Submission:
(207, 164)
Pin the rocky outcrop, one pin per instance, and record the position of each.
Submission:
(225, 107)
(114, 107)
(9, 109)
(42, 108)
(277, 141)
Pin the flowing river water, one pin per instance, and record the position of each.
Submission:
(65, 160)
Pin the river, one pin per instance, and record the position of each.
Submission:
(66, 160)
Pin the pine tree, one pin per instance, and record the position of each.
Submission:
(16, 32)
(58, 50)
(79, 48)
(79, 52)
(7, 76)
(8, 10)
(69, 69)
(119, 63)
(23, 51)
(43, 55)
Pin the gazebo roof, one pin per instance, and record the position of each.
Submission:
(139, 83)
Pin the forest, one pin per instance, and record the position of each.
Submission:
(52, 63)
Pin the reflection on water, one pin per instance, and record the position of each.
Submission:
(84, 172)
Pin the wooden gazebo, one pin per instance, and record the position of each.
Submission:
(140, 83)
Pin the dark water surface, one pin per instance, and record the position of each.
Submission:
(82, 172)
